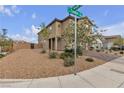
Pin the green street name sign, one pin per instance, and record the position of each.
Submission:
(72, 11)
(76, 7)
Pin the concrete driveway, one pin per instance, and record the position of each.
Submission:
(109, 75)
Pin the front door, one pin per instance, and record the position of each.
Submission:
(32, 46)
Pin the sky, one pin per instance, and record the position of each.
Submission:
(22, 21)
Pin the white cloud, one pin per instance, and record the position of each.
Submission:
(34, 16)
(1, 8)
(34, 29)
(19, 37)
(9, 11)
(115, 29)
(29, 35)
(14, 9)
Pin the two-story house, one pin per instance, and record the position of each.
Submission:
(56, 28)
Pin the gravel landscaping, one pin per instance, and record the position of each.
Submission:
(27, 64)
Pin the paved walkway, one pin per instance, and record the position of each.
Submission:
(110, 75)
(102, 56)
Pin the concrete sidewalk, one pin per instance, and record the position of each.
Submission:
(109, 75)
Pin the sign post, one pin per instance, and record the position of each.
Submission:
(73, 10)
(75, 45)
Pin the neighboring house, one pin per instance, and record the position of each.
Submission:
(56, 28)
(108, 41)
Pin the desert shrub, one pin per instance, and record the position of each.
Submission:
(71, 51)
(53, 55)
(97, 50)
(106, 52)
(110, 50)
(89, 59)
(66, 50)
(68, 61)
(121, 52)
(66, 54)
(43, 51)
(62, 55)
(79, 50)
(115, 48)
(91, 48)
(2, 55)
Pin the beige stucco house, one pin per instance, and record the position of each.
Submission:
(56, 28)
(108, 41)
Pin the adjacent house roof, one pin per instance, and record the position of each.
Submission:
(112, 37)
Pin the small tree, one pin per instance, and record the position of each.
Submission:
(84, 35)
(45, 35)
(5, 42)
(68, 36)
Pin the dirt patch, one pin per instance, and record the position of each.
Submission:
(27, 64)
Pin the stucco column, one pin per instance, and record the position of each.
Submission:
(56, 39)
(51, 45)
(86, 46)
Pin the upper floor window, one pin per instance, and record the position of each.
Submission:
(87, 26)
(50, 28)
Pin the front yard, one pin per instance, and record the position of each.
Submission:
(27, 63)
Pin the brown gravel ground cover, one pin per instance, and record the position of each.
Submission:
(27, 64)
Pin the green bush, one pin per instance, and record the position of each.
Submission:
(115, 48)
(62, 55)
(71, 51)
(1, 55)
(89, 59)
(43, 51)
(79, 50)
(91, 48)
(121, 52)
(97, 50)
(68, 61)
(66, 50)
(110, 50)
(66, 54)
(53, 55)
(106, 52)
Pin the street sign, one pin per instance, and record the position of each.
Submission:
(77, 13)
(73, 10)
(76, 7)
